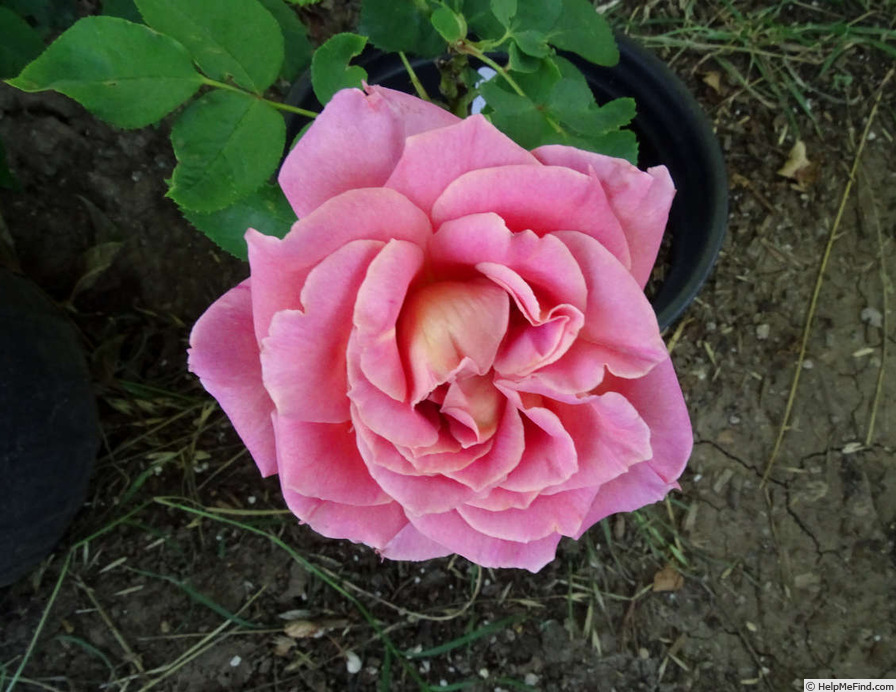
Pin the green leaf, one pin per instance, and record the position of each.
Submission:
(330, 70)
(296, 45)
(400, 25)
(303, 3)
(450, 25)
(227, 144)
(19, 43)
(45, 14)
(482, 20)
(229, 39)
(518, 61)
(532, 43)
(539, 16)
(504, 10)
(516, 116)
(125, 9)
(582, 30)
(266, 210)
(124, 73)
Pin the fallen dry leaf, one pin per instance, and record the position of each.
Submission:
(796, 161)
(305, 629)
(714, 81)
(668, 579)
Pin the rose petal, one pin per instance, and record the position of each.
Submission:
(354, 143)
(381, 298)
(610, 437)
(410, 544)
(640, 200)
(619, 320)
(539, 199)
(402, 425)
(416, 494)
(474, 408)
(303, 358)
(321, 461)
(443, 323)
(549, 455)
(224, 354)
(432, 160)
(547, 272)
(375, 525)
(548, 514)
(658, 400)
(502, 458)
(279, 267)
(449, 529)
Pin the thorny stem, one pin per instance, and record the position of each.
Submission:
(275, 104)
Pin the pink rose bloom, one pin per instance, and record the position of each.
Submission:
(451, 350)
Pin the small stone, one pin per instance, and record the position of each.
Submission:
(873, 317)
(352, 662)
(762, 332)
(235, 661)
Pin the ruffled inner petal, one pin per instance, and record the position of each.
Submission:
(280, 266)
(444, 323)
(542, 200)
(303, 358)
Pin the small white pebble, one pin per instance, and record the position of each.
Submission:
(235, 661)
(762, 331)
(808, 364)
(483, 673)
(425, 666)
(352, 662)
(734, 419)
(251, 499)
(531, 679)
(873, 317)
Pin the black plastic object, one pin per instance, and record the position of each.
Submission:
(672, 130)
(49, 432)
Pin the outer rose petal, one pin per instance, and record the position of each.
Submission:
(224, 354)
(354, 143)
(434, 159)
(321, 461)
(640, 200)
(410, 544)
(543, 200)
(280, 267)
(657, 397)
(374, 526)
(449, 529)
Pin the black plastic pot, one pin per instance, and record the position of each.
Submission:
(672, 130)
(49, 432)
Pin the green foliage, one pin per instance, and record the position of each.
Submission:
(401, 25)
(44, 15)
(330, 69)
(227, 144)
(123, 9)
(129, 88)
(228, 39)
(450, 25)
(19, 43)
(296, 45)
(558, 107)
(266, 210)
